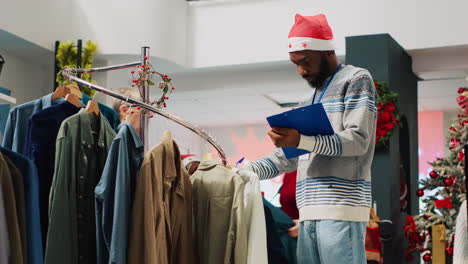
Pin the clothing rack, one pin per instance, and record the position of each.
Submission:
(72, 74)
(466, 177)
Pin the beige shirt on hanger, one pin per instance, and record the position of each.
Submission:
(220, 221)
(161, 220)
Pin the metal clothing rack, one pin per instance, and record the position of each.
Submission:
(466, 177)
(73, 73)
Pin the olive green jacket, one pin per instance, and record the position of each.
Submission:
(220, 223)
(82, 146)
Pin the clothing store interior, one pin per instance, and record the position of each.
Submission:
(233, 132)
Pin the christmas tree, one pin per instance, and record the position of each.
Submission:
(443, 190)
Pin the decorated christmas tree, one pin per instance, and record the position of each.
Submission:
(442, 191)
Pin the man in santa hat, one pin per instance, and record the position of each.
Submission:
(190, 162)
(333, 190)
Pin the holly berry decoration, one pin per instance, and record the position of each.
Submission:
(427, 257)
(420, 192)
(433, 174)
(449, 182)
(454, 143)
(449, 251)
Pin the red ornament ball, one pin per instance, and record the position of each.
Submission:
(420, 192)
(448, 182)
(452, 128)
(449, 251)
(427, 257)
(426, 217)
(433, 174)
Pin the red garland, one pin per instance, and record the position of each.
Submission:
(387, 113)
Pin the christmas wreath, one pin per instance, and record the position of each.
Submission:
(388, 115)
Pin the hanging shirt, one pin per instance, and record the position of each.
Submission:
(460, 255)
(255, 220)
(16, 128)
(114, 194)
(79, 161)
(31, 190)
(110, 114)
(281, 223)
(220, 224)
(161, 220)
(4, 234)
(12, 185)
(40, 148)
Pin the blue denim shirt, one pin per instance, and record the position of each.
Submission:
(31, 190)
(114, 194)
(16, 128)
(40, 148)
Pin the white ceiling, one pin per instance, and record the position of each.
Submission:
(234, 95)
(443, 70)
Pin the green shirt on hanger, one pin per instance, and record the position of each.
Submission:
(82, 146)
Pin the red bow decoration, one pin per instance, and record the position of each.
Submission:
(447, 203)
(411, 235)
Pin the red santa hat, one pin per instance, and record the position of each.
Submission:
(189, 158)
(310, 33)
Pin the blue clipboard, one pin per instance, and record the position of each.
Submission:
(311, 120)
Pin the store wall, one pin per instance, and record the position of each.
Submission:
(118, 26)
(27, 79)
(236, 32)
(431, 139)
(214, 33)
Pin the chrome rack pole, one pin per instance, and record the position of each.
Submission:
(144, 92)
(70, 74)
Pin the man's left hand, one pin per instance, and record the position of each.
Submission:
(284, 137)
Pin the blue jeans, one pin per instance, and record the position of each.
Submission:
(330, 242)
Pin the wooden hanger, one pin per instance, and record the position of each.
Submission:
(73, 99)
(74, 89)
(92, 107)
(62, 91)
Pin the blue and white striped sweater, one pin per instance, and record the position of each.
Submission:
(335, 181)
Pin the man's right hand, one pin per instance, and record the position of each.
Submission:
(294, 231)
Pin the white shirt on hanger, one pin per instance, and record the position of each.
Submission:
(257, 247)
(460, 253)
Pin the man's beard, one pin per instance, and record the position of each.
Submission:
(322, 75)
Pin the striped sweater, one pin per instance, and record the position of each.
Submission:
(334, 181)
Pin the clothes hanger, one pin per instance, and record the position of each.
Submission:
(93, 107)
(73, 99)
(74, 89)
(61, 91)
